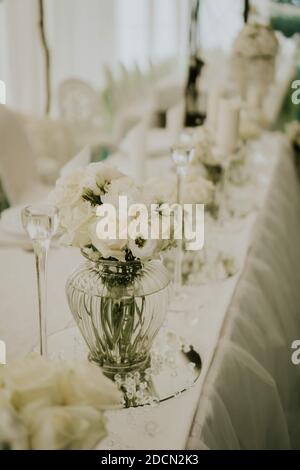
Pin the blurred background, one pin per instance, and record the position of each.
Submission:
(77, 73)
(86, 38)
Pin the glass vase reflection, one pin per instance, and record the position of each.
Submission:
(119, 308)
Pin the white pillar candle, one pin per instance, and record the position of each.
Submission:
(228, 125)
(215, 94)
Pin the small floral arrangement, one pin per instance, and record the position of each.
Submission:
(205, 156)
(253, 63)
(256, 40)
(53, 405)
(196, 189)
(78, 196)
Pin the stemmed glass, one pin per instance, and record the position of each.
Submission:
(182, 154)
(41, 222)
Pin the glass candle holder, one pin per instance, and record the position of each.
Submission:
(41, 223)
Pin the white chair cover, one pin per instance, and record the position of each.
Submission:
(17, 160)
(134, 147)
(78, 101)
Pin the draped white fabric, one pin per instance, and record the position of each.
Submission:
(251, 397)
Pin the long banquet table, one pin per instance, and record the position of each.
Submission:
(247, 395)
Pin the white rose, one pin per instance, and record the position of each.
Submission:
(162, 223)
(13, 432)
(106, 245)
(203, 147)
(31, 380)
(66, 428)
(163, 189)
(197, 190)
(75, 223)
(142, 248)
(256, 40)
(98, 176)
(85, 384)
(124, 186)
(67, 191)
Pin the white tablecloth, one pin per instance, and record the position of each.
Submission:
(251, 396)
(246, 396)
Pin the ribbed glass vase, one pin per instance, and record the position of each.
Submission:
(119, 308)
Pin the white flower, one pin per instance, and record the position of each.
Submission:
(84, 384)
(97, 178)
(108, 247)
(67, 191)
(80, 194)
(76, 222)
(31, 380)
(48, 405)
(197, 190)
(256, 40)
(126, 186)
(13, 432)
(203, 148)
(142, 248)
(163, 189)
(66, 428)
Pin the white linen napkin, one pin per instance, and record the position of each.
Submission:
(134, 148)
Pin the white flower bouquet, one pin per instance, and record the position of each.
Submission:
(81, 193)
(196, 189)
(205, 157)
(51, 406)
(254, 53)
(256, 40)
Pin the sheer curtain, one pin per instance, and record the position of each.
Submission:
(220, 22)
(21, 63)
(155, 30)
(84, 36)
(133, 31)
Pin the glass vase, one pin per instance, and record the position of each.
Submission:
(119, 308)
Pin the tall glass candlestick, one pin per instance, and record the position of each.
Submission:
(182, 155)
(41, 222)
